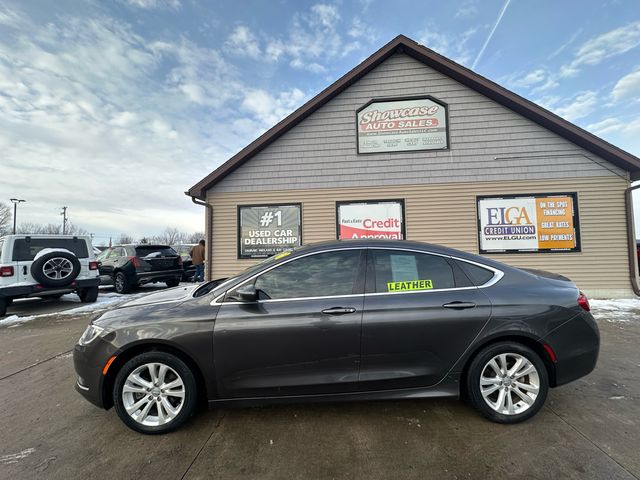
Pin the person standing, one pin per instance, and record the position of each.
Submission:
(197, 259)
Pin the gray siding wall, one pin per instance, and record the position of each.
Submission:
(488, 142)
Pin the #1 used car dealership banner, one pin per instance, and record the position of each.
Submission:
(266, 230)
(383, 219)
(529, 223)
(402, 125)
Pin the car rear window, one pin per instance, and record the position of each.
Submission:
(478, 275)
(24, 249)
(155, 251)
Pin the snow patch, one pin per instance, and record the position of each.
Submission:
(16, 457)
(619, 310)
(44, 251)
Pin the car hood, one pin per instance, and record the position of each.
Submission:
(169, 295)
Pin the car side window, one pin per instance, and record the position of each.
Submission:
(401, 271)
(319, 275)
(478, 275)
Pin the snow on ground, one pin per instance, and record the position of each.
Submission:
(618, 310)
(105, 301)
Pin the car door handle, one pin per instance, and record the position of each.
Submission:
(339, 311)
(459, 305)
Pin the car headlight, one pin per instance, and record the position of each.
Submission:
(90, 334)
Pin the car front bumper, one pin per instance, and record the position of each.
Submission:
(88, 362)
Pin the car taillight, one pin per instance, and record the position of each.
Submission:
(135, 262)
(583, 301)
(6, 271)
(93, 265)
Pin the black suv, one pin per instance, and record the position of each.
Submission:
(128, 266)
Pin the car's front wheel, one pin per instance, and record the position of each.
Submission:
(154, 393)
(173, 283)
(507, 382)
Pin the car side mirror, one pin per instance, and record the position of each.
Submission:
(247, 293)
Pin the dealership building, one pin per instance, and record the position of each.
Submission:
(411, 145)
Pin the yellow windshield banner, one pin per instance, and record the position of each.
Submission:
(410, 285)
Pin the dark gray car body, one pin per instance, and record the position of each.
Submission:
(405, 345)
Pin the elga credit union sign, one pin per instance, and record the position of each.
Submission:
(266, 230)
(371, 219)
(402, 125)
(529, 223)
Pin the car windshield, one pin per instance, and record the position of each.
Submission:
(183, 249)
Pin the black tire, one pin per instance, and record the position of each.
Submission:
(37, 269)
(9, 301)
(173, 283)
(88, 295)
(121, 283)
(180, 368)
(478, 365)
(4, 303)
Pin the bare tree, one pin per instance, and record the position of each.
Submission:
(5, 218)
(170, 236)
(49, 229)
(124, 238)
(194, 237)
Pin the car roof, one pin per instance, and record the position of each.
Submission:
(396, 244)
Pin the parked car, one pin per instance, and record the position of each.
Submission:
(47, 266)
(128, 266)
(361, 319)
(184, 250)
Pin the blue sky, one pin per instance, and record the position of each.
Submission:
(115, 108)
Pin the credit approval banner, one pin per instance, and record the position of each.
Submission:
(528, 223)
(402, 125)
(371, 219)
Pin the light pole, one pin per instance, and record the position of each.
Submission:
(15, 202)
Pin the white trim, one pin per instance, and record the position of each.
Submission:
(498, 274)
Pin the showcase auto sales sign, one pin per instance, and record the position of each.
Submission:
(402, 125)
(370, 220)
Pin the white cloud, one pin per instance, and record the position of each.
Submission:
(580, 106)
(315, 39)
(269, 109)
(243, 42)
(468, 9)
(82, 99)
(606, 45)
(455, 48)
(153, 4)
(628, 87)
(608, 125)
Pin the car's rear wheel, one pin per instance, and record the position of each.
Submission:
(121, 283)
(507, 382)
(155, 392)
(4, 303)
(173, 283)
(88, 295)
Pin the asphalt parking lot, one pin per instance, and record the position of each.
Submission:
(588, 429)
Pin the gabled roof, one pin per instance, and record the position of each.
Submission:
(463, 75)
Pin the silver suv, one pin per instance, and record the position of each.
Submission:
(47, 266)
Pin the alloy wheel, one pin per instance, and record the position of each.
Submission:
(153, 394)
(509, 383)
(57, 268)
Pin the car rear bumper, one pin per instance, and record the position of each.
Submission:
(158, 276)
(21, 291)
(576, 345)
